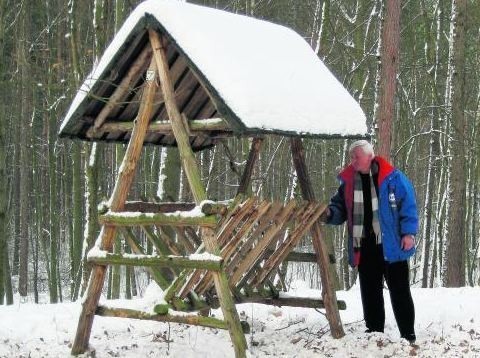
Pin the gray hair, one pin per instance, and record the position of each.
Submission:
(366, 146)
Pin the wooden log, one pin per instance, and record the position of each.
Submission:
(186, 319)
(231, 224)
(191, 282)
(244, 185)
(150, 207)
(186, 154)
(156, 261)
(117, 200)
(207, 207)
(278, 225)
(193, 175)
(328, 282)
(197, 127)
(309, 215)
(262, 226)
(141, 219)
(214, 208)
(288, 301)
(245, 229)
(230, 247)
(180, 281)
(122, 90)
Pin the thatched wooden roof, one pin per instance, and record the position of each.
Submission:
(232, 75)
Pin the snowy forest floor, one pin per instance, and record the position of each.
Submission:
(447, 324)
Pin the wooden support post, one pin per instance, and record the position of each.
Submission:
(193, 175)
(119, 196)
(328, 288)
(244, 186)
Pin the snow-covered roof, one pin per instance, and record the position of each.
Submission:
(260, 77)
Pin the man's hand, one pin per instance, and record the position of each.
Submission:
(408, 242)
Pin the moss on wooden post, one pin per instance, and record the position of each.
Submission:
(156, 261)
(186, 319)
(141, 219)
(117, 201)
(193, 175)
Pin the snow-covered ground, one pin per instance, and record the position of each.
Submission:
(447, 324)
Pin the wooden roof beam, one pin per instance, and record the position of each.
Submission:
(196, 127)
(123, 88)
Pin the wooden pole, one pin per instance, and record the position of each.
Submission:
(287, 301)
(196, 126)
(244, 186)
(122, 90)
(193, 175)
(171, 219)
(156, 261)
(328, 287)
(186, 319)
(118, 198)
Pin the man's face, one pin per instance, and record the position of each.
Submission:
(360, 160)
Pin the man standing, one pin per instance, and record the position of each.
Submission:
(378, 202)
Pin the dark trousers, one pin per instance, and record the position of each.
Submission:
(372, 270)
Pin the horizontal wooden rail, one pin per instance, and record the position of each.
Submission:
(172, 219)
(289, 301)
(165, 127)
(207, 207)
(186, 319)
(296, 256)
(155, 261)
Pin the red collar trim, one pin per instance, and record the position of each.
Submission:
(384, 169)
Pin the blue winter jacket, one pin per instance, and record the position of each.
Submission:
(397, 210)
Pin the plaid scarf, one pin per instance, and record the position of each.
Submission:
(358, 209)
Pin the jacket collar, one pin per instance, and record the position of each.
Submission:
(384, 169)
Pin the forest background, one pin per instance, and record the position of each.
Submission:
(50, 187)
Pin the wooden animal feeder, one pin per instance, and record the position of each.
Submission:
(182, 75)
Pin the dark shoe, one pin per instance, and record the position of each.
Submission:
(411, 338)
(373, 330)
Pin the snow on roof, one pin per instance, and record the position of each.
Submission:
(265, 73)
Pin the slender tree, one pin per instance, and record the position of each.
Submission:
(3, 181)
(389, 57)
(25, 170)
(455, 255)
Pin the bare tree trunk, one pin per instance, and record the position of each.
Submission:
(388, 77)
(3, 181)
(434, 147)
(455, 255)
(24, 156)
